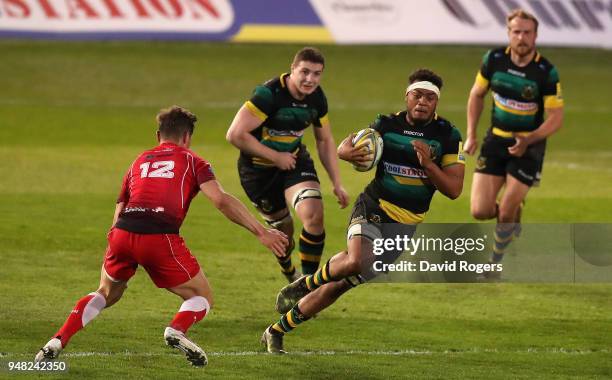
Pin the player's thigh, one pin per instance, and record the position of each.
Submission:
(301, 184)
(485, 188)
(264, 188)
(513, 196)
(196, 286)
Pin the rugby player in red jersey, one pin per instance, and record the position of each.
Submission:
(154, 199)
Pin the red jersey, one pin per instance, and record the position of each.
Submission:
(158, 188)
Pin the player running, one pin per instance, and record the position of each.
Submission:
(422, 154)
(154, 199)
(275, 168)
(525, 86)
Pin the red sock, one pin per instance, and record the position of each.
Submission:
(191, 311)
(86, 309)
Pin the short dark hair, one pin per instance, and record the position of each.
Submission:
(173, 122)
(309, 54)
(521, 13)
(425, 75)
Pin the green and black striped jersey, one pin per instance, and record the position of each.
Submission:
(520, 94)
(401, 185)
(283, 117)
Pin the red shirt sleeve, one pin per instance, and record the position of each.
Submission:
(203, 170)
(124, 194)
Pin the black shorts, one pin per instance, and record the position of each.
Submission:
(266, 187)
(494, 159)
(371, 222)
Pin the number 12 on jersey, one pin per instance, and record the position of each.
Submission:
(163, 169)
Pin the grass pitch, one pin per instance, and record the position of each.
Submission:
(74, 115)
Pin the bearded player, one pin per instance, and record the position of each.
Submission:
(527, 108)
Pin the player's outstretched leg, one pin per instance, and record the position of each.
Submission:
(197, 297)
(85, 310)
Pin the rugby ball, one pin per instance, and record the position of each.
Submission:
(373, 142)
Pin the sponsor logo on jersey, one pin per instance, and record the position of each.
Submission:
(460, 153)
(276, 132)
(404, 171)
(515, 105)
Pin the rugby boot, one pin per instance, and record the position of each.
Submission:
(50, 351)
(273, 341)
(177, 339)
(289, 296)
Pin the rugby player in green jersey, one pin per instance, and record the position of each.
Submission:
(422, 154)
(527, 108)
(275, 168)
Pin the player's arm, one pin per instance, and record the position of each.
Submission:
(326, 147)
(239, 135)
(448, 180)
(475, 106)
(118, 208)
(235, 211)
(124, 197)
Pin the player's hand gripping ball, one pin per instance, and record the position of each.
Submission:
(371, 140)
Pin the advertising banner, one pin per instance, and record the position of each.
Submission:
(562, 22)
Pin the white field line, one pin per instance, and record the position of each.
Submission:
(376, 106)
(555, 350)
(575, 166)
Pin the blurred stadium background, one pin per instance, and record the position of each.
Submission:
(73, 114)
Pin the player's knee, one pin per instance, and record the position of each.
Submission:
(312, 220)
(112, 294)
(353, 266)
(482, 213)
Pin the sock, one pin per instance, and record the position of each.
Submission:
(287, 266)
(504, 232)
(191, 312)
(289, 321)
(86, 309)
(311, 249)
(319, 278)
